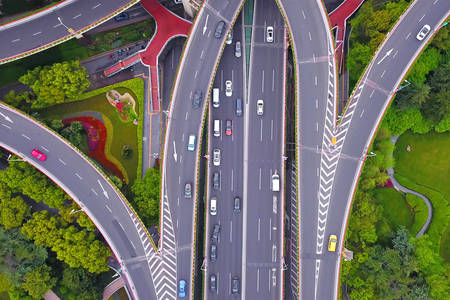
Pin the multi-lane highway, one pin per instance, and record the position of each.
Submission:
(180, 166)
(229, 244)
(316, 82)
(44, 28)
(362, 117)
(88, 187)
(262, 251)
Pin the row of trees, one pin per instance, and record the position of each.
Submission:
(54, 84)
(403, 267)
(146, 196)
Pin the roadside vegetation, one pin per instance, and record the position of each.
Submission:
(13, 7)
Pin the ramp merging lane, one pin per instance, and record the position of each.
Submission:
(39, 32)
(113, 217)
(316, 84)
(364, 112)
(180, 166)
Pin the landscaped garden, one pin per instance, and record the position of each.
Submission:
(112, 119)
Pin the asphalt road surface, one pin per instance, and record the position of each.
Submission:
(229, 246)
(196, 73)
(81, 180)
(316, 90)
(45, 29)
(361, 118)
(263, 157)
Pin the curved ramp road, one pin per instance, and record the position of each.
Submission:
(180, 166)
(38, 32)
(362, 116)
(316, 83)
(84, 183)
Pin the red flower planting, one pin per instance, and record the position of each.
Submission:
(96, 132)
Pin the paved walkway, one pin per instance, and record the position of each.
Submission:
(403, 189)
(113, 287)
(168, 26)
(338, 19)
(50, 295)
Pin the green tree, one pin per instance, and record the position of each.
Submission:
(81, 283)
(13, 211)
(146, 197)
(39, 281)
(427, 61)
(401, 241)
(443, 125)
(17, 100)
(57, 83)
(442, 39)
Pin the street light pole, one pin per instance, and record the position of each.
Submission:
(70, 30)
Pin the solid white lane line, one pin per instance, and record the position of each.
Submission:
(303, 14)
(209, 33)
(231, 231)
(257, 280)
(107, 207)
(36, 33)
(182, 137)
(395, 54)
(382, 74)
(317, 171)
(261, 129)
(78, 175)
(94, 192)
(186, 117)
(220, 185)
(4, 125)
(16, 40)
(435, 1)
(371, 94)
(133, 245)
(317, 103)
(179, 179)
(232, 75)
(196, 73)
(61, 161)
(262, 82)
(408, 35)
(77, 16)
(259, 178)
(259, 229)
(270, 228)
(271, 130)
(361, 114)
(178, 201)
(45, 149)
(421, 18)
(232, 186)
(317, 126)
(310, 38)
(27, 137)
(57, 25)
(201, 54)
(94, 7)
(221, 80)
(315, 80)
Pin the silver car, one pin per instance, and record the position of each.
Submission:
(216, 157)
(260, 107)
(229, 38)
(228, 88)
(423, 32)
(237, 50)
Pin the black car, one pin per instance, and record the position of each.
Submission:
(213, 283)
(197, 100)
(219, 29)
(235, 286)
(215, 233)
(213, 253)
(216, 180)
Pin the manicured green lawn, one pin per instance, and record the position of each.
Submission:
(420, 212)
(395, 211)
(427, 167)
(119, 133)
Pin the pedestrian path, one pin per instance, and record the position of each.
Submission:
(338, 19)
(168, 26)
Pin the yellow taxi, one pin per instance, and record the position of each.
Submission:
(332, 243)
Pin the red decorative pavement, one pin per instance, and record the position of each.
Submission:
(338, 18)
(168, 26)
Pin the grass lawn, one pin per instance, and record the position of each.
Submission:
(427, 166)
(420, 212)
(119, 133)
(395, 212)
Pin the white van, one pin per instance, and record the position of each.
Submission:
(191, 143)
(275, 182)
(216, 100)
(216, 127)
(213, 206)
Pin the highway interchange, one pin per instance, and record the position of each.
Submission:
(330, 155)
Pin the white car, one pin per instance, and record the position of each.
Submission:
(228, 88)
(423, 32)
(216, 157)
(260, 107)
(229, 38)
(269, 34)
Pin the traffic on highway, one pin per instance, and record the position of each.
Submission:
(223, 227)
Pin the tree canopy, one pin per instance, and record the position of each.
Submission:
(146, 196)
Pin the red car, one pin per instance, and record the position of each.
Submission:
(39, 155)
(228, 127)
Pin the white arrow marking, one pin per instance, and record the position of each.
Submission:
(174, 152)
(104, 191)
(205, 27)
(6, 118)
(386, 55)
